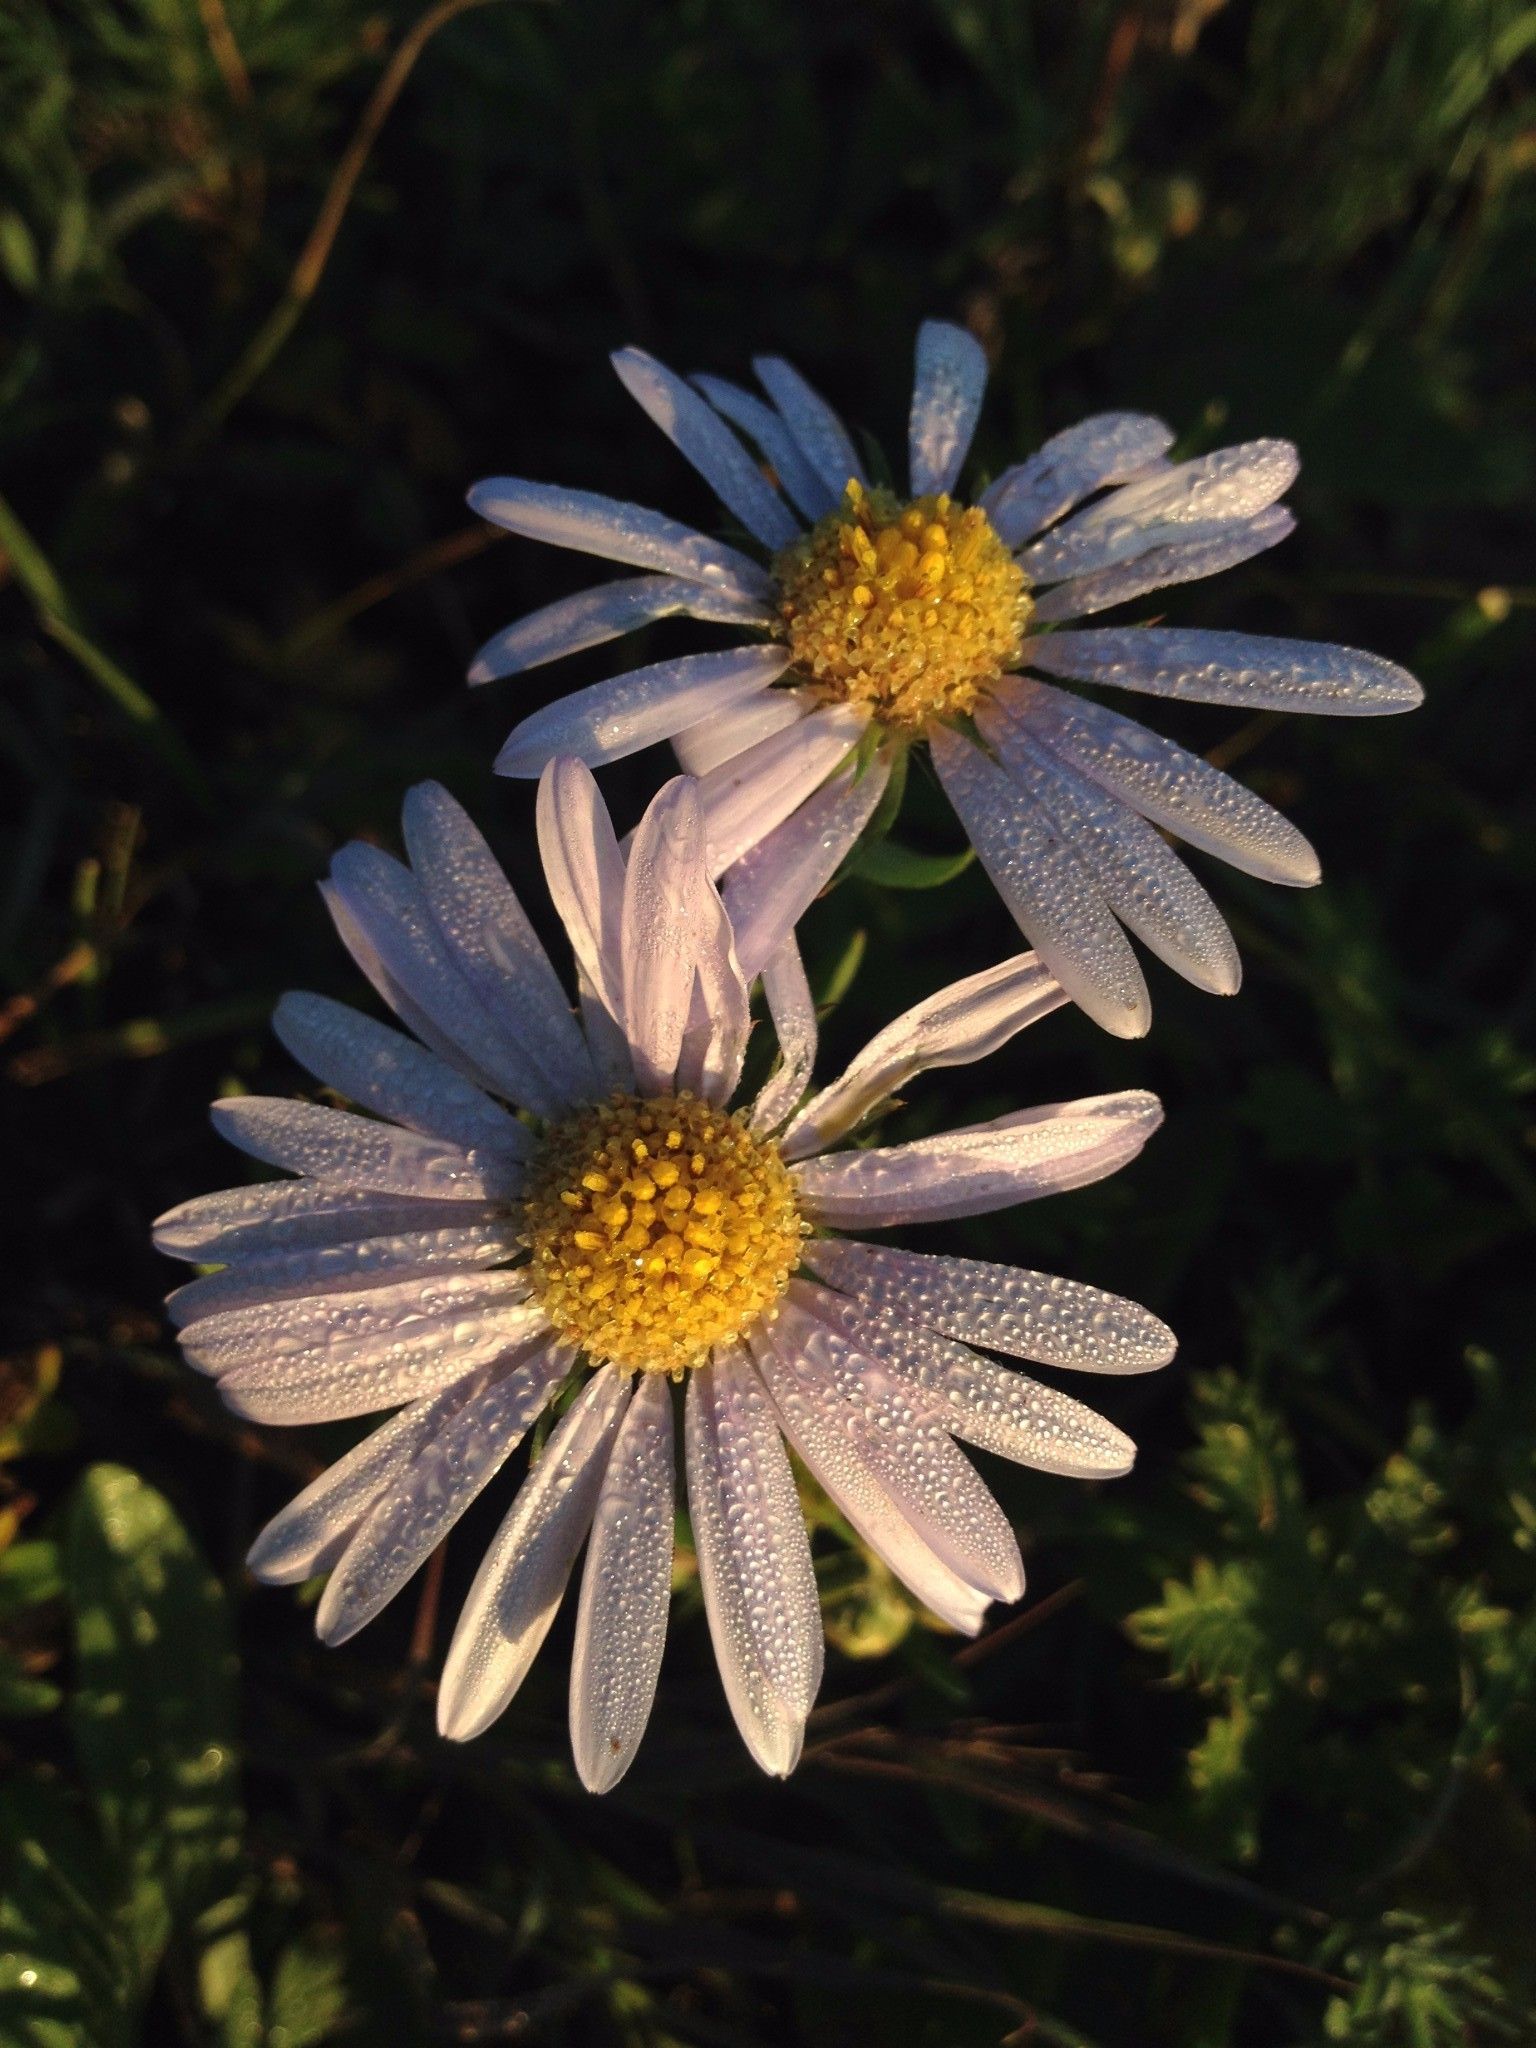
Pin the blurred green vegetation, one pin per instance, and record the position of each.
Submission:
(1254, 1766)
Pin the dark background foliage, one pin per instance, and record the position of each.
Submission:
(1254, 1765)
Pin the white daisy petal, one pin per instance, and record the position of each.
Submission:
(626, 1593)
(1158, 568)
(980, 1167)
(946, 402)
(936, 1486)
(1052, 896)
(747, 796)
(963, 1022)
(698, 433)
(606, 1037)
(492, 942)
(343, 1268)
(381, 1070)
(1006, 1308)
(754, 1559)
(713, 740)
(596, 525)
(333, 1145)
(988, 1405)
(819, 433)
(368, 1374)
(237, 1224)
(1185, 502)
(387, 924)
(518, 1586)
(775, 442)
(769, 890)
(1167, 784)
(608, 720)
(793, 1010)
(317, 1525)
(661, 932)
(1250, 670)
(833, 1443)
(1109, 448)
(1143, 881)
(720, 1019)
(407, 1524)
(313, 1327)
(584, 873)
(590, 618)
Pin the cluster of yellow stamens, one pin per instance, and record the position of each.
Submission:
(658, 1228)
(908, 608)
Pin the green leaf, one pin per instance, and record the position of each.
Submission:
(894, 866)
(308, 1994)
(154, 1706)
(69, 1975)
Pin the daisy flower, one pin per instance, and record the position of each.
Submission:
(471, 1264)
(876, 620)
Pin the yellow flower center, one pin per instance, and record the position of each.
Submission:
(908, 608)
(658, 1228)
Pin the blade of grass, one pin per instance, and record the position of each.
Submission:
(59, 620)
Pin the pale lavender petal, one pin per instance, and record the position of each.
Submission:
(343, 1268)
(1143, 881)
(360, 1378)
(606, 1037)
(492, 943)
(357, 936)
(936, 1487)
(419, 1509)
(313, 1327)
(699, 433)
(584, 873)
(626, 1593)
(720, 1017)
(332, 1145)
(590, 618)
(713, 740)
(793, 1010)
(1054, 899)
(1006, 1308)
(294, 1215)
(754, 1559)
(316, 1526)
(768, 892)
(1181, 561)
(1109, 448)
(833, 1444)
(389, 926)
(963, 1022)
(946, 403)
(393, 1076)
(1251, 670)
(662, 937)
(747, 796)
(1167, 784)
(980, 1167)
(518, 1586)
(595, 525)
(1187, 501)
(776, 443)
(819, 433)
(608, 720)
(990, 1406)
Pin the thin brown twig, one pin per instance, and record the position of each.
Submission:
(310, 267)
(426, 562)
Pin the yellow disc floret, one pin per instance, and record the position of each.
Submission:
(658, 1228)
(908, 608)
